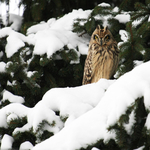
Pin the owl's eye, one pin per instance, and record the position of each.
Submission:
(107, 37)
(95, 37)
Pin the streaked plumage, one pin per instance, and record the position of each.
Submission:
(102, 58)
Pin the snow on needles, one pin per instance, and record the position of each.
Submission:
(58, 31)
(85, 112)
(12, 98)
(7, 142)
(2, 66)
(48, 37)
(14, 20)
(92, 125)
(51, 36)
(15, 40)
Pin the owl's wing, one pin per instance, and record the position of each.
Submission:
(87, 76)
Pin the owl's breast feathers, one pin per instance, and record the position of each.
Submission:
(104, 61)
(101, 62)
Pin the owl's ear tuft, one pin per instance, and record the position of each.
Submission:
(98, 27)
(105, 28)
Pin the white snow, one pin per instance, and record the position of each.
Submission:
(11, 117)
(31, 73)
(140, 148)
(66, 22)
(19, 40)
(46, 42)
(5, 32)
(128, 127)
(15, 40)
(88, 110)
(137, 22)
(51, 36)
(48, 37)
(6, 142)
(11, 97)
(14, 20)
(38, 27)
(11, 48)
(73, 102)
(69, 104)
(13, 7)
(2, 66)
(26, 127)
(104, 4)
(149, 19)
(95, 148)
(41, 112)
(123, 18)
(93, 124)
(124, 37)
(14, 108)
(137, 62)
(116, 9)
(26, 146)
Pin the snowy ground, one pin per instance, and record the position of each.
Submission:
(90, 109)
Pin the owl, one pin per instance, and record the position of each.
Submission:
(102, 58)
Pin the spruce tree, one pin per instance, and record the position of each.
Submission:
(30, 76)
(137, 46)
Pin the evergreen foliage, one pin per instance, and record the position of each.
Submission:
(31, 76)
(45, 73)
(131, 50)
(131, 139)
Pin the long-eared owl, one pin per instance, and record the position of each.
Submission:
(102, 58)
